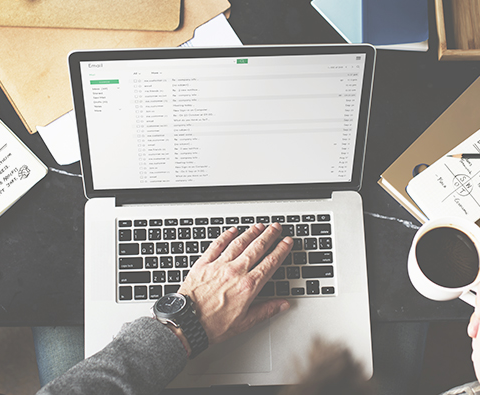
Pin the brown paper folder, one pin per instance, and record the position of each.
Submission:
(33, 61)
(457, 122)
(160, 15)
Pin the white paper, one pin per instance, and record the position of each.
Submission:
(450, 186)
(20, 169)
(60, 136)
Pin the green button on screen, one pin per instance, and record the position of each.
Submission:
(103, 82)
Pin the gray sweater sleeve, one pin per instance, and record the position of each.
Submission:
(143, 358)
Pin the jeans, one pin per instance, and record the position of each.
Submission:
(57, 350)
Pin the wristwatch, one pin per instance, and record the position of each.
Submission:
(178, 310)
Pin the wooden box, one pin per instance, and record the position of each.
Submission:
(458, 28)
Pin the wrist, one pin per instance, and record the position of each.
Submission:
(178, 332)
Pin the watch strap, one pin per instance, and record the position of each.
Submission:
(193, 331)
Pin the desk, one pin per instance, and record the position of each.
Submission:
(41, 236)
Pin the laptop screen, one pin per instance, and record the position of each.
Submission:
(222, 118)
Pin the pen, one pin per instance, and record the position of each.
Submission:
(466, 156)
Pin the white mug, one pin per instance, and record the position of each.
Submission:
(424, 284)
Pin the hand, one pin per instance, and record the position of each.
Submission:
(472, 330)
(224, 282)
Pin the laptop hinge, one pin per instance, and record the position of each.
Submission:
(157, 198)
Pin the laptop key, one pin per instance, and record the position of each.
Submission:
(134, 277)
(151, 262)
(313, 287)
(288, 230)
(159, 276)
(171, 288)
(282, 288)
(323, 217)
(310, 243)
(199, 233)
(317, 271)
(303, 230)
(321, 229)
(140, 292)
(173, 276)
(191, 247)
(140, 222)
(147, 248)
(268, 289)
(125, 293)
(278, 218)
(177, 247)
(130, 263)
(328, 290)
(201, 221)
(125, 223)
(213, 232)
(166, 262)
(169, 233)
(216, 221)
(293, 218)
(293, 272)
(155, 222)
(320, 257)
(171, 222)
(233, 220)
(154, 234)
(128, 249)
(162, 248)
(248, 220)
(299, 258)
(297, 291)
(325, 243)
(124, 235)
(139, 234)
(155, 291)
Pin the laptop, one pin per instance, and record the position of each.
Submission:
(179, 144)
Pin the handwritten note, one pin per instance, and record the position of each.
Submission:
(20, 169)
(450, 186)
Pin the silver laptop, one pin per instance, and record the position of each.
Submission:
(177, 145)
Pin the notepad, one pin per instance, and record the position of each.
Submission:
(450, 186)
(20, 169)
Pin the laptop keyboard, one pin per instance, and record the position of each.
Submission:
(154, 255)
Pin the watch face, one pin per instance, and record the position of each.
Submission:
(171, 304)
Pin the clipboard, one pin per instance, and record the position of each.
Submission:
(454, 125)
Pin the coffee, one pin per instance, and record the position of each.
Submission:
(448, 257)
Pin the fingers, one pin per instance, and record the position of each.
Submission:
(267, 267)
(216, 248)
(473, 326)
(236, 248)
(260, 246)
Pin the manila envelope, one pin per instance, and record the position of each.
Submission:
(33, 61)
(92, 14)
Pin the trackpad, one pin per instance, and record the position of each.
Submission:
(245, 353)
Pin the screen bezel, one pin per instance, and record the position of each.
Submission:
(222, 193)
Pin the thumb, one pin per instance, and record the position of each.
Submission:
(261, 311)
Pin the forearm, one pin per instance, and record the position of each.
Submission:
(142, 359)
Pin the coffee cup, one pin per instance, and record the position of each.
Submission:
(443, 262)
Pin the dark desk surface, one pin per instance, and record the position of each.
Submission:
(41, 236)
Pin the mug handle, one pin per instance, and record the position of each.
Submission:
(469, 297)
